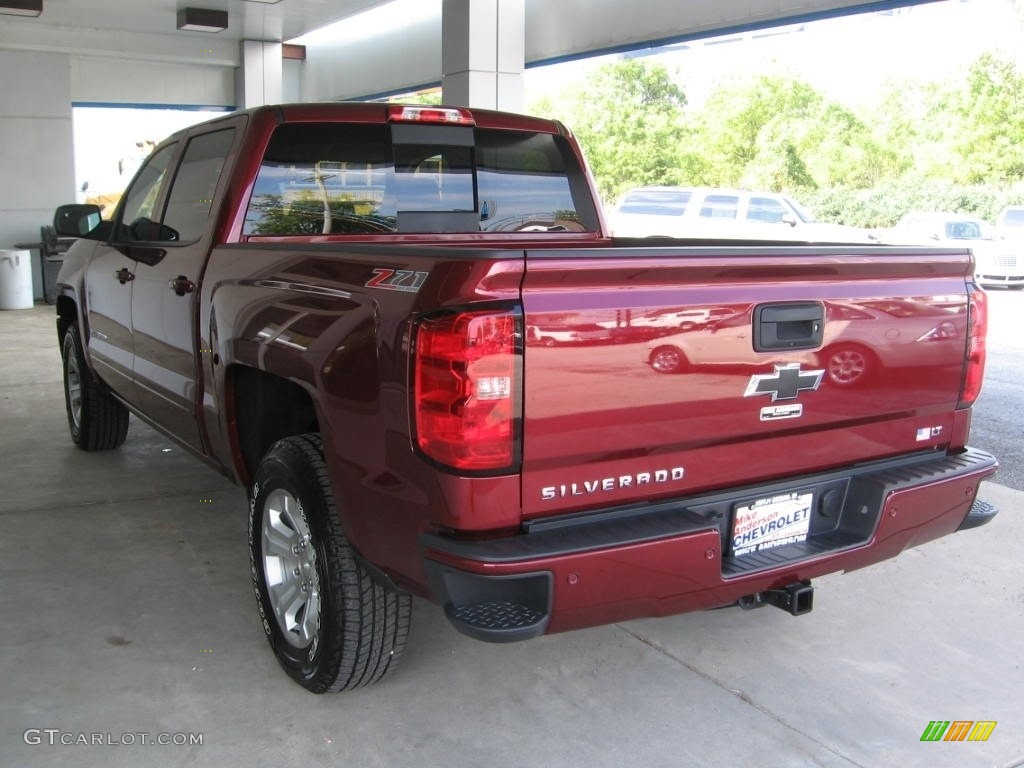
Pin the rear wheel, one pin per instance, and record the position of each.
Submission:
(847, 366)
(667, 359)
(96, 421)
(330, 624)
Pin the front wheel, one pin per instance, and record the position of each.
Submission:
(330, 624)
(96, 421)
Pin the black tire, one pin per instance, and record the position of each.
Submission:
(331, 626)
(96, 421)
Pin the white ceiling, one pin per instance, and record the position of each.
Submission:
(86, 26)
(132, 37)
(247, 19)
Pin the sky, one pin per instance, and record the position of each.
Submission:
(848, 58)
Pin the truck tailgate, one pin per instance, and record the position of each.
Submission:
(653, 373)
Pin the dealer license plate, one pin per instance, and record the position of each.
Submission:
(771, 522)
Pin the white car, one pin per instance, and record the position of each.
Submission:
(731, 214)
(998, 261)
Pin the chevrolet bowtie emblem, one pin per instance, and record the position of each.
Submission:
(786, 383)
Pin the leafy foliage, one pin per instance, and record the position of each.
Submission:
(627, 119)
(956, 145)
(883, 205)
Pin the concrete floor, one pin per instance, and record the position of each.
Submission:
(128, 610)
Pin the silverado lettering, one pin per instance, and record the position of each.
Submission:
(408, 334)
(552, 492)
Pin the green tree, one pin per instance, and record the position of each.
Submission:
(952, 145)
(780, 133)
(628, 117)
(988, 112)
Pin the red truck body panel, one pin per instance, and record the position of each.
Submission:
(597, 410)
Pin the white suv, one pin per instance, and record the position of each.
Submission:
(732, 214)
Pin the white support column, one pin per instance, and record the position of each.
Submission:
(483, 53)
(260, 79)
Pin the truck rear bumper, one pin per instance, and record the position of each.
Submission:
(671, 557)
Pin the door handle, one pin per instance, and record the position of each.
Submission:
(181, 285)
(123, 275)
(799, 325)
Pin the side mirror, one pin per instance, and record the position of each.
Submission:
(146, 231)
(788, 218)
(77, 220)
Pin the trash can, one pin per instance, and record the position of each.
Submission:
(15, 280)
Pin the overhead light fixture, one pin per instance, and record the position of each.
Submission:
(199, 20)
(21, 7)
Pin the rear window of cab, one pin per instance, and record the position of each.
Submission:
(371, 179)
(656, 202)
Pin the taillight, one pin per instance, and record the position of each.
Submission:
(977, 328)
(467, 381)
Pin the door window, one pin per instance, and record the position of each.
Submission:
(766, 209)
(138, 217)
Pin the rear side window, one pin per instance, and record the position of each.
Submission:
(191, 196)
(719, 207)
(656, 202)
(365, 179)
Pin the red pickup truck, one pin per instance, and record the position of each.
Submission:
(338, 307)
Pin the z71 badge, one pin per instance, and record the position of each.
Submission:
(404, 280)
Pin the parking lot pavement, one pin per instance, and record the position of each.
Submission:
(129, 611)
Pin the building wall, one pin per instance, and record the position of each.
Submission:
(112, 80)
(36, 157)
(371, 66)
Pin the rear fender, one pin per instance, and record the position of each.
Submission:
(316, 353)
